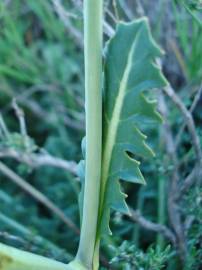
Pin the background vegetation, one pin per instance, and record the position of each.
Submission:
(42, 123)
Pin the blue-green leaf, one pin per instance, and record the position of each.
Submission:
(130, 70)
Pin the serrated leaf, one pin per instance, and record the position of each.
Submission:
(130, 70)
(81, 174)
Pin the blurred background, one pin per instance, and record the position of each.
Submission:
(42, 122)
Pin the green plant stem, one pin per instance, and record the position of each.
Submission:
(30, 236)
(161, 209)
(93, 98)
(140, 207)
(14, 259)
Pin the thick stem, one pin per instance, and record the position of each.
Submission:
(14, 259)
(93, 98)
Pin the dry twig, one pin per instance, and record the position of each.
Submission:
(189, 181)
(38, 160)
(37, 195)
(194, 103)
(173, 211)
(155, 227)
(65, 18)
(189, 121)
